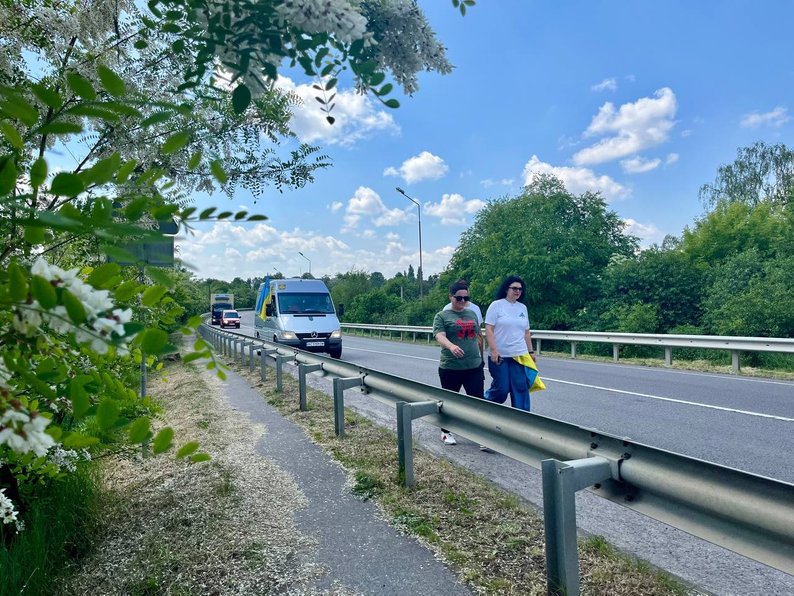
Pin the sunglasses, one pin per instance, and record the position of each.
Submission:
(515, 288)
(462, 298)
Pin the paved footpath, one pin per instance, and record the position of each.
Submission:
(362, 553)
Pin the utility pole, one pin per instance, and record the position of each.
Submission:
(419, 211)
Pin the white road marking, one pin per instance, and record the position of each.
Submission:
(670, 399)
(392, 354)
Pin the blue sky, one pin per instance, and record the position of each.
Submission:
(642, 101)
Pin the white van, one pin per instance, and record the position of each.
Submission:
(300, 313)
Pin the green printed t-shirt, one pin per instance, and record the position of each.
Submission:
(461, 329)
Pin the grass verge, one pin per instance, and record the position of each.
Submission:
(493, 541)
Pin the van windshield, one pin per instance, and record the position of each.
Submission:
(305, 303)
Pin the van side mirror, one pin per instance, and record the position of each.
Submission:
(340, 310)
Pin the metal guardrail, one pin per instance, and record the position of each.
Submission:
(746, 513)
(735, 345)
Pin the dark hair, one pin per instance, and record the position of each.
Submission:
(457, 286)
(502, 291)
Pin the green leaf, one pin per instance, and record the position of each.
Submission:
(93, 111)
(125, 170)
(140, 44)
(200, 457)
(241, 98)
(152, 295)
(136, 208)
(178, 46)
(107, 413)
(20, 109)
(44, 292)
(139, 430)
(47, 96)
(78, 395)
(218, 172)
(18, 283)
(102, 274)
(80, 86)
(8, 175)
(187, 449)
(188, 358)
(195, 161)
(240, 215)
(38, 172)
(385, 90)
(377, 79)
(66, 184)
(157, 118)
(35, 235)
(159, 276)
(61, 128)
(11, 134)
(392, 103)
(224, 214)
(153, 341)
(331, 84)
(126, 290)
(74, 307)
(163, 440)
(207, 213)
(175, 142)
(257, 217)
(79, 441)
(111, 81)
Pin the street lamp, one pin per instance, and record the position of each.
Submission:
(419, 211)
(308, 259)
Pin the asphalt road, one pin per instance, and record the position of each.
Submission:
(742, 422)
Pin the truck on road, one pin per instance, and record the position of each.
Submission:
(219, 303)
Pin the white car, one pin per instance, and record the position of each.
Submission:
(230, 318)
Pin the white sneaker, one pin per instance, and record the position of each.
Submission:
(448, 438)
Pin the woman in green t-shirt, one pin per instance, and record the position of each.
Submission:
(458, 332)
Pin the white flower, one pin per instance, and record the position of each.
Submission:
(7, 512)
(24, 433)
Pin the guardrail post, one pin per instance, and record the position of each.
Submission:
(251, 358)
(735, 364)
(615, 352)
(303, 369)
(340, 384)
(406, 413)
(573, 350)
(537, 346)
(561, 480)
(243, 345)
(263, 354)
(280, 360)
(668, 356)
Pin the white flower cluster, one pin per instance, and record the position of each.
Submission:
(406, 42)
(7, 512)
(67, 459)
(337, 17)
(24, 432)
(102, 319)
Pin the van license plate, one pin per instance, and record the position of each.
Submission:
(315, 344)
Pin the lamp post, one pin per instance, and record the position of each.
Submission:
(308, 259)
(419, 211)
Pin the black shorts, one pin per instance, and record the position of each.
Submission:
(471, 379)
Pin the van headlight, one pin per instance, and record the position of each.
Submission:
(288, 335)
(337, 334)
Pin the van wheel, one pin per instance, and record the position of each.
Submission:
(256, 334)
(336, 353)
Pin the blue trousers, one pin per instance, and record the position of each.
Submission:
(508, 377)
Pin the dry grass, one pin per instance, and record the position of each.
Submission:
(494, 542)
(219, 527)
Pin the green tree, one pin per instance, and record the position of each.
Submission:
(373, 307)
(557, 242)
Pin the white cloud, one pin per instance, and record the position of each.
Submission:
(357, 116)
(606, 85)
(648, 234)
(336, 206)
(392, 236)
(424, 166)
(630, 129)
(686, 133)
(488, 182)
(367, 203)
(577, 180)
(639, 165)
(453, 209)
(671, 159)
(775, 118)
